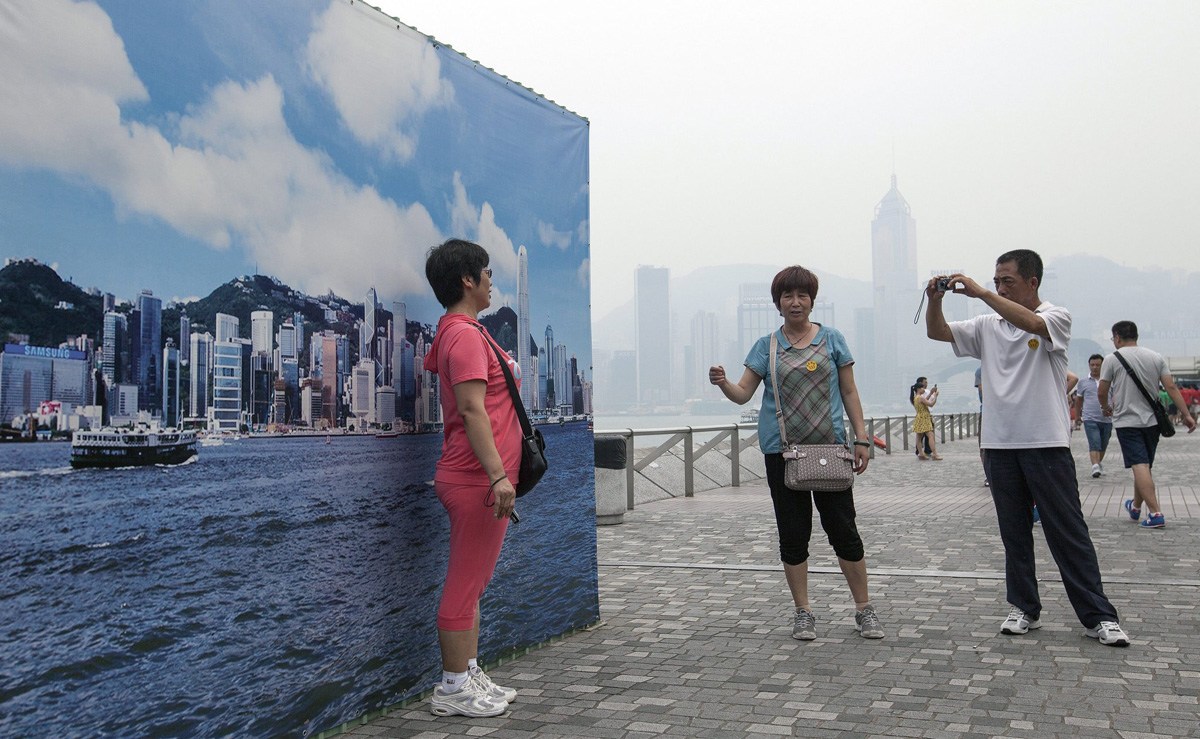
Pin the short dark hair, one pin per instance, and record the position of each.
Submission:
(793, 278)
(1096, 356)
(1029, 264)
(447, 263)
(1125, 330)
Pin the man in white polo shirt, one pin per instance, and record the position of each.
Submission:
(1027, 434)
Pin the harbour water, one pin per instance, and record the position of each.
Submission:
(269, 587)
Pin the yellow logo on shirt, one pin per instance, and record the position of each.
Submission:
(811, 366)
(1033, 344)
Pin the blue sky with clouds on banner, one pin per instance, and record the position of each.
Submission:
(175, 146)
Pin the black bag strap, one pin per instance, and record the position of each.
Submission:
(1133, 376)
(526, 427)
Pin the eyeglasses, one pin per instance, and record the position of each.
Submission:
(487, 271)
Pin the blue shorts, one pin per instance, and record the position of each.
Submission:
(1098, 434)
(1138, 445)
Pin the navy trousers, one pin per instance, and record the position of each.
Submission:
(1020, 478)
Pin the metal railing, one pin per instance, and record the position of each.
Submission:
(741, 436)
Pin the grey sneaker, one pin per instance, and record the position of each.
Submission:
(867, 623)
(472, 701)
(1018, 622)
(1109, 633)
(493, 690)
(805, 626)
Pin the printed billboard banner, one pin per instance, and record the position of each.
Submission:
(215, 220)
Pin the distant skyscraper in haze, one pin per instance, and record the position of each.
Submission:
(703, 354)
(652, 336)
(528, 381)
(757, 315)
(894, 276)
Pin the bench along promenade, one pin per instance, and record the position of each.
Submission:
(695, 638)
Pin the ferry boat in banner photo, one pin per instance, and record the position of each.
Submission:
(144, 444)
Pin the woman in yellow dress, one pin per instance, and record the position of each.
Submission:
(923, 425)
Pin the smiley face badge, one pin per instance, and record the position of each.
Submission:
(811, 365)
(1034, 344)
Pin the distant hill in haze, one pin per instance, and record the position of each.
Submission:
(1165, 303)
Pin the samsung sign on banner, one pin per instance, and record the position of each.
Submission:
(43, 351)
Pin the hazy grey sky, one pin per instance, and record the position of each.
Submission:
(764, 131)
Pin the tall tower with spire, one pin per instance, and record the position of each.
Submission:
(896, 288)
(369, 327)
(528, 381)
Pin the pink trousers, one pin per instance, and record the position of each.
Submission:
(475, 541)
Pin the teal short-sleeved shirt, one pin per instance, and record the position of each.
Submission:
(759, 362)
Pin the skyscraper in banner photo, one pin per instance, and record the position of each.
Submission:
(528, 380)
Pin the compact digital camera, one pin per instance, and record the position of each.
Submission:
(943, 284)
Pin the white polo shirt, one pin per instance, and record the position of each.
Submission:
(1024, 378)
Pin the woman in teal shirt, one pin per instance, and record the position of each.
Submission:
(816, 383)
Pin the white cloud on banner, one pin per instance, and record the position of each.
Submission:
(478, 223)
(550, 236)
(381, 79)
(585, 273)
(65, 72)
(236, 175)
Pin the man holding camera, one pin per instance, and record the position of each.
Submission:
(1026, 434)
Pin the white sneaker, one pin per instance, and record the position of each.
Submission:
(1109, 633)
(1096, 470)
(472, 701)
(508, 695)
(1019, 623)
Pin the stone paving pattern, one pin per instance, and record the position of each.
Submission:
(695, 638)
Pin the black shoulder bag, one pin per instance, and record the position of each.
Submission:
(1165, 427)
(533, 446)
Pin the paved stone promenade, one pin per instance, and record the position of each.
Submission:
(696, 633)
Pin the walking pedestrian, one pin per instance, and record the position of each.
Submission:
(1133, 417)
(1088, 413)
